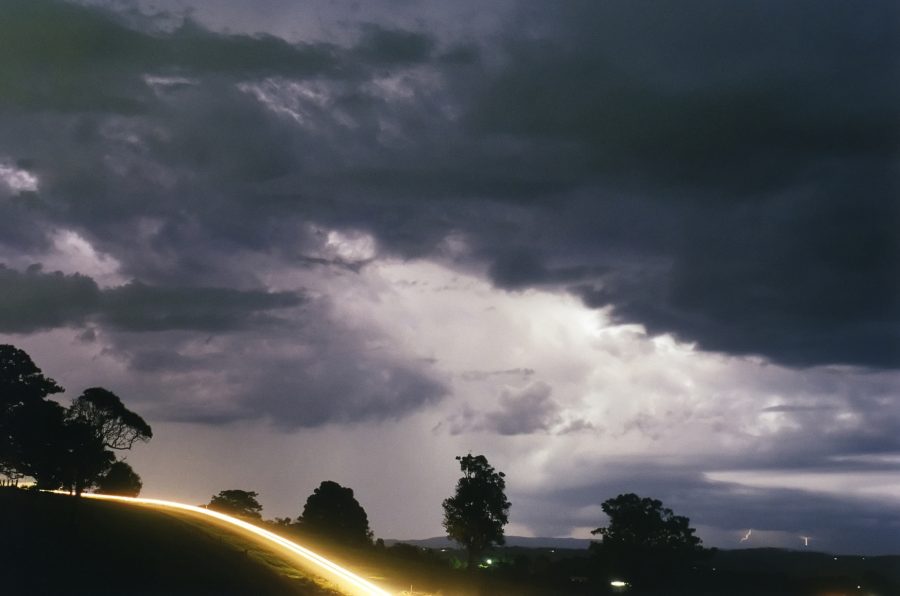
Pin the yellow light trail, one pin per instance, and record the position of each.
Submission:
(347, 580)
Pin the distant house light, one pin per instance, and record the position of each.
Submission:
(617, 583)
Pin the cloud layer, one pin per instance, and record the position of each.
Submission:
(735, 197)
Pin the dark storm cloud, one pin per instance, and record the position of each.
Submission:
(60, 56)
(714, 173)
(34, 300)
(765, 151)
(480, 375)
(20, 222)
(339, 387)
(788, 408)
(138, 307)
(387, 46)
(525, 411)
(523, 268)
(306, 372)
(722, 173)
(318, 373)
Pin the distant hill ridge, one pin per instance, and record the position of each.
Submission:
(528, 542)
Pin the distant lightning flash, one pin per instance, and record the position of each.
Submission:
(805, 540)
(747, 535)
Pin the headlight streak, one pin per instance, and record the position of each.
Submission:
(329, 569)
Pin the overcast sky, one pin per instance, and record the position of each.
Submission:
(613, 246)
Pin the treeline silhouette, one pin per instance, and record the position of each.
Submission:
(331, 514)
(63, 448)
(644, 548)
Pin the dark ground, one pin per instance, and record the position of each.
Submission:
(55, 544)
(518, 571)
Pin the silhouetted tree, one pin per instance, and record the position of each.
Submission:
(85, 456)
(21, 381)
(332, 512)
(59, 447)
(112, 423)
(644, 539)
(60, 452)
(97, 420)
(41, 442)
(240, 503)
(120, 479)
(23, 389)
(475, 515)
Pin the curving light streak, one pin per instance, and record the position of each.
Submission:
(346, 579)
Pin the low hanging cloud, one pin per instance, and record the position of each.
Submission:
(525, 411)
(338, 387)
(306, 371)
(480, 375)
(139, 307)
(34, 300)
(521, 411)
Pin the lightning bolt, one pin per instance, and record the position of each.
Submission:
(747, 535)
(805, 540)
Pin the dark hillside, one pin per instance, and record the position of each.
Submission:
(55, 544)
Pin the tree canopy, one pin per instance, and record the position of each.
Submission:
(475, 515)
(38, 443)
(112, 423)
(59, 447)
(120, 479)
(644, 539)
(97, 421)
(21, 381)
(236, 502)
(637, 522)
(333, 513)
(23, 411)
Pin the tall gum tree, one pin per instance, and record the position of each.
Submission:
(475, 515)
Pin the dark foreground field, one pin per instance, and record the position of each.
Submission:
(518, 571)
(55, 544)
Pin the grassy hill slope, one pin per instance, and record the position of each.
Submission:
(55, 544)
